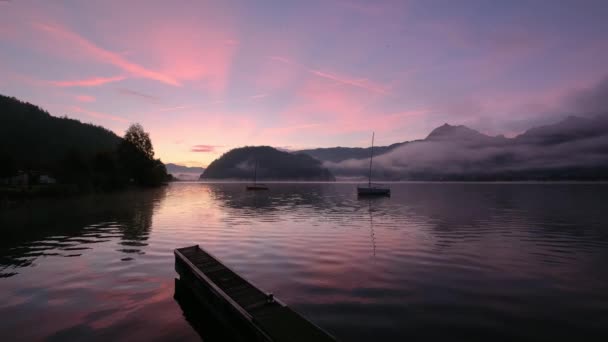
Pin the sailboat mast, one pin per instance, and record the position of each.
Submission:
(369, 178)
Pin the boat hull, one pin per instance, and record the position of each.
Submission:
(367, 191)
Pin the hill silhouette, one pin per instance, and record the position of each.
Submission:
(34, 139)
(85, 156)
(272, 164)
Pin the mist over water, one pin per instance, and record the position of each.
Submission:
(474, 261)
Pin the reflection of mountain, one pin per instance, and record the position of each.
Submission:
(70, 226)
(282, 196)
(575, 148)
(272, 164)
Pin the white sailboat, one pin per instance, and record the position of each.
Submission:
(371, 189)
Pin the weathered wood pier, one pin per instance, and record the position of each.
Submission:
(248, 311)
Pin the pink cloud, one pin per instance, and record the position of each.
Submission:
(137, 94)
(282, 59)
(204, 148)
(171, 109)
(91, 82)
(324, 107)
(85, 98)
(65, 36)
(355, 82)
(98, 115)
(202, 55)
(197, 49)
(361, 83)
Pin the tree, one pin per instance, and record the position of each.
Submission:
(136, 155)
(140, 139)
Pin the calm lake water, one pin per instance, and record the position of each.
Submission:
(433, 262)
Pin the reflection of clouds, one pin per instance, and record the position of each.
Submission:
(467, 248)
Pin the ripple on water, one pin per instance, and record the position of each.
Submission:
(470, 261)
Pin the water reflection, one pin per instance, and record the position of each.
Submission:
(70, 227)
(373, 203)
(201, 319)
(433, 260)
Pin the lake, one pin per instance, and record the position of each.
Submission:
(436, 261)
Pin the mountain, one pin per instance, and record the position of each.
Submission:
(338, 154)
(272, 164)
(33, 138)
(462, 134)
(573, 149)
(184, 172)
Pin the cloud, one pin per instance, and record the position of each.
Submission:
(346, 80)
(90, 82)
(85, 98)
(204, 148)
(361, 83)
(322, 107)
(577, 145)
(98, 115)
(437, 159)
(170, 109)
(64, 35)
(137, 94)
(593, 100)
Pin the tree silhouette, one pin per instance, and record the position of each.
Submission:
(136, 155)
(140, 139)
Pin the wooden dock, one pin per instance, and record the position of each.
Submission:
(250, 312)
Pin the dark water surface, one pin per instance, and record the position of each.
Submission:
(434, 262)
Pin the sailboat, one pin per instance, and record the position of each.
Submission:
(371, 189)
(256, 185)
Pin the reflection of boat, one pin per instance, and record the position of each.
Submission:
(372, 189)
(255, 185)
(371, 228)
(254, 314)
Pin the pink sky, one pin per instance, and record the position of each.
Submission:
(204, 77)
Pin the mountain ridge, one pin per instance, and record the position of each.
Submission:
(575, 148)
(272, 164)
(571, 128)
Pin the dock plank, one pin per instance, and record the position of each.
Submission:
(247, 305)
